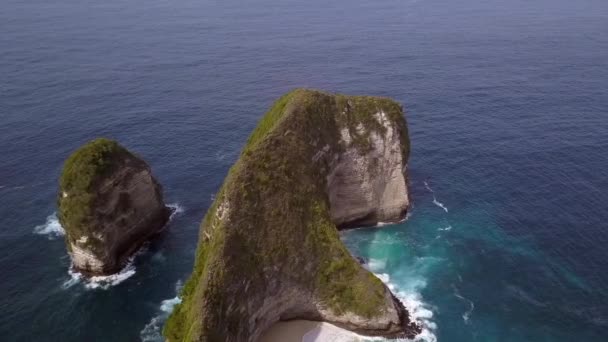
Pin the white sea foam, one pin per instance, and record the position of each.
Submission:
(167, 305)
(411, 298)
(177, 209)
(152, 331)
(408, 289)
(104, 282)
(467, 314)
(376, 265)
(51, 228)
(435, 201)
(100, 282)
(446, 229)
(405, 218)
(419, 311)
(75, 278)
(439, 204)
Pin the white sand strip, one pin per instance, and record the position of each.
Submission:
(329, 333)
(307, 331)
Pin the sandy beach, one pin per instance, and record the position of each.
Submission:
(308, 331)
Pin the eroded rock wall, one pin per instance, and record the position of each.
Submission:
(367, 187)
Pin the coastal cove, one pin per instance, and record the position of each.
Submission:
(506, 108)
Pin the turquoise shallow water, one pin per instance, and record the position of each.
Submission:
(477, 262)
(506, 104)
(465, 279)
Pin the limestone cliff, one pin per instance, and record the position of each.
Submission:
(366, 186)
(109, 204)
(269, 249)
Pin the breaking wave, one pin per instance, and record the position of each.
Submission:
(152, 331)
(411, 298)
(103, 282)
(51, 228)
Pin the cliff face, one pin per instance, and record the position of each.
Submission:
(269, 249)
(109, 204)
(369, 186)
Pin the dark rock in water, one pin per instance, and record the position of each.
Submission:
(109, 205)
(361, 260)
(269, 246)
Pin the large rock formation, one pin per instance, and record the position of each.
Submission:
(109, 204)
(269, 249)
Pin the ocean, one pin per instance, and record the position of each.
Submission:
(506, 101)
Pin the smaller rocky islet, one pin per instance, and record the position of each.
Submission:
(109, 204)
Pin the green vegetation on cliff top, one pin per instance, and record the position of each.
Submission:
(270, 221)
(81, 171)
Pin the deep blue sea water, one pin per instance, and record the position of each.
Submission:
(507, 104)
